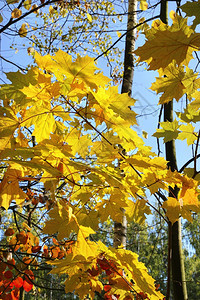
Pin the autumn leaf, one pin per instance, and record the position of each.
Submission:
(134, 272)
(136, 211)
(84, 247)
(43, 120)
(186, 203)
(19, 80)
(169, 131)
(62, 221)
(174, 83)
(166, 46)
(16, 13)
(112, 208)
(23, 30)
(188, 133)
(80, 144)
(9, 187)
(192, 9)
(8, 124)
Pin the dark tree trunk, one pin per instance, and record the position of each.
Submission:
(175, 241)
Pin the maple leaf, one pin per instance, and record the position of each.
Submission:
(79, 143)
(136, 272)
(192, 9)
(136, 211)
(78, 282)
(190, 114)
(83, 246)
(114, 108)
(9, 187)
(62, 221)
(186, 203)
(42, 93)
(19, 80)
(46, 62)
(141, 162)
(88, 219)
(188, 134)
(169, 131)
(112, 208)
(42, 119)
(175, 82)
(82, 69)
(166, 46)
(8, 124)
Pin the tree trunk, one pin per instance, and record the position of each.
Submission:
(121, 228)
(175, 251)
(129, 48)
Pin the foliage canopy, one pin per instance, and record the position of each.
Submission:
(68, 148)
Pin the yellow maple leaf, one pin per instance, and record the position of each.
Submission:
(8, 124)
(9, 187)
(186, 203)
(43, 92)
(175, 83)
(114, 108)
(83, 246)
(169, 131)
(112, 208)
(62, 221)
(166, 46)
(135, 273)
(187, 133)
(136, 211)
(83, 69)
(44, 62)
(80, 144)
(42, 119)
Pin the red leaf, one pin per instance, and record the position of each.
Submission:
(107, 287)
(27, 286)
(8, 274)
(103, 263)
(36, 249)
(30, 275)
(2, 267)
(18, 282)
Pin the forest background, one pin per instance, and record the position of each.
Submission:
(149, 240)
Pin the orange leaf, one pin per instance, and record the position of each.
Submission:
(15, 294)
(18, 282)
(22, 237)
(27, 286)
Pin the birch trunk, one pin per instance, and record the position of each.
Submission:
(121, 228)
